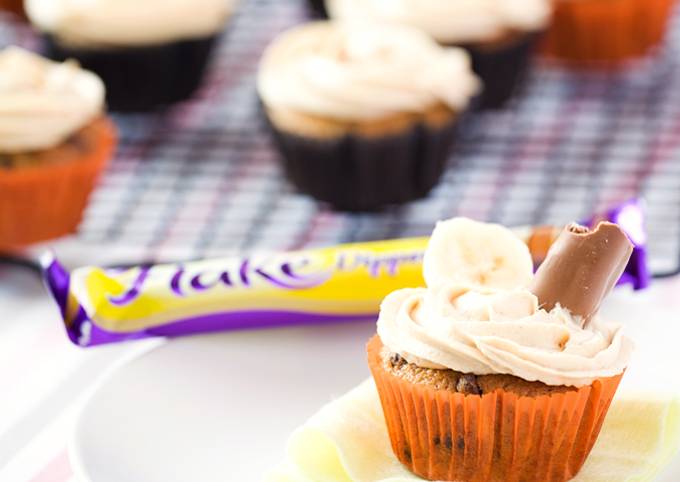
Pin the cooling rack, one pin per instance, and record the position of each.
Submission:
(203, 179)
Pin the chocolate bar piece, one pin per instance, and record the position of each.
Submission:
(582, 267)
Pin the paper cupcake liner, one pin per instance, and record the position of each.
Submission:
(142, 78)
(502, 69)
(318, 8)
(499, 436)
(540, 241)
(14, 6)
(362, 173)
(606, 32)
(46, 201)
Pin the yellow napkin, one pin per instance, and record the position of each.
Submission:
(347, 441)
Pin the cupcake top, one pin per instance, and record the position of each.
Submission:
(451, 21)
(42, 102)
(362, 72)
(478, 315)
(124, 23)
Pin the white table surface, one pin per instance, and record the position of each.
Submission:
(44, 378)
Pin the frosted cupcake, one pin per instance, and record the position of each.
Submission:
(364, 115)
(54, 142)
(493, 373)
(500, 35)
(149, 53)
(606, 32)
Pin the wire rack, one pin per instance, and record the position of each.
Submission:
(203, 179)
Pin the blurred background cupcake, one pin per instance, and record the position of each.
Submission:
(54, 143)
(500, 35)
(149, 54)
(318, 8)
(364, 115)
(608, 32)
(14, 6)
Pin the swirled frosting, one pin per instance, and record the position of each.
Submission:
(361, 71)
(481, 329)
(42, 102)
(451, 21)
(93, 23)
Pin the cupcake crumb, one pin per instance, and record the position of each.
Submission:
(396, 360)
(407, 453)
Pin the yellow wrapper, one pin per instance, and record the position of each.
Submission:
(339, 283)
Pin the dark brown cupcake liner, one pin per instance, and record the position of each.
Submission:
(142, 78)
(502, 69)
(318, 9)
(362, 173)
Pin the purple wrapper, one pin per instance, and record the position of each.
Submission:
(630, 216)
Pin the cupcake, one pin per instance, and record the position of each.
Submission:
(149, 53)
(492, 373)
(500, 35)
(364, 115)
(54, 143)
(606, 32)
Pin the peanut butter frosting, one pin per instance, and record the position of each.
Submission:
(479, 324)
(102, 23)
(42, 102)
(450, 21)
(360, 72)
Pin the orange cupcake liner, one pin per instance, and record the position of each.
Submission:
(46, 201)
(15, 6)
(608, 32)
(499, 436)
(540, 241)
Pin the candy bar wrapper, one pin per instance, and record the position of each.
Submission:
(442, 435)
(341, 283)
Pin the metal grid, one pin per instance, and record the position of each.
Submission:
(203, 179)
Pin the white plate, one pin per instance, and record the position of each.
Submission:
(216, 407)
(220, 407)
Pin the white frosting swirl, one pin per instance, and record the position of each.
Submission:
(486, 330)
(91, 23)
(451, 21)
(361, 71)
(42, 102)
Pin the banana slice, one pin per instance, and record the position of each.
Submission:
(469, 252)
